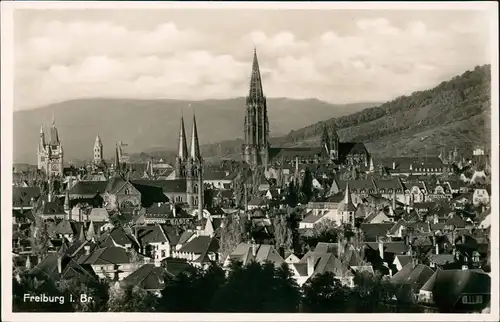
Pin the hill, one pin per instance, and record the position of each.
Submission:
(153, 125)
(454, 113)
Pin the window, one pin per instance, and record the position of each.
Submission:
(127, 191)
(472, 299)
(163, 253)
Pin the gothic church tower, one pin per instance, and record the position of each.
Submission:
(50, 154)
(182, 154)
(194, 175)
(256, 147)
(98, 150)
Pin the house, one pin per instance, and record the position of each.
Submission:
(149, 277)
(481, 196)
(377, 217)
(157, 241)
(315, 263)
(465, 291)
(164, 213)
(24, 197)
(57, 266)
(411, 277)
(114, 262)
(117, 237)
(218, 179)
(400, 261)
(249, 252)
(51, 209)
(256, 203)
(199, 251)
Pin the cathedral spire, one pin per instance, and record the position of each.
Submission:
(54, 136)
(195, 144)
(117, 160)
(42, 137)
(183, 151)
(256, 91)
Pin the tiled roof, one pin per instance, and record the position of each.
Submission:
(396, 248)
(198, 245)
(52, 208)
(108, 255)
(447, 286)
(88, 188)
(312, 218)
(99, 214)
(173, 234)
(147, 277)
(330, 263)
(64, 227)
(118, 235)
(244, 253)
(403, 259)
(185, 237)
(168, 186)
(150, 234)
(372, 231)
(21, 196)
(415, 275)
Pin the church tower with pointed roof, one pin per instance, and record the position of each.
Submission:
(98, 150)
(194, 169)
(256, 128)
(50, 154)
(182, 154)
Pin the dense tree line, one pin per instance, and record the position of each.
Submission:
(252, 288)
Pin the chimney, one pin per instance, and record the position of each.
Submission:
(87, 250)
(174, 211)
(59, 264)
(437, 248)
(49, 197)
(394, 199)
(310, 265)
(254, 248)
(465, 267)
(43, 202)
(393, 165)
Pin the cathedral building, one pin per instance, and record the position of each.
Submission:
(256, 151)
(189, 166)
(50, 154)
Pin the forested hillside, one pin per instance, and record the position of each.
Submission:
(454, 113)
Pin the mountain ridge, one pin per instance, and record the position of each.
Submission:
(153, 125)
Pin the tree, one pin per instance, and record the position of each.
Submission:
(232, 235)
(371, 293)
(40, 240)
(131, 298)
(282, 232)
(96, 289)
(28, 285)
(192, 290)
(306, 187)
(257, 288)
(324, 294)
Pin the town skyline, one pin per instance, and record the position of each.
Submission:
(337, 58)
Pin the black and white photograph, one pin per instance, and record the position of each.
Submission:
(279, 159)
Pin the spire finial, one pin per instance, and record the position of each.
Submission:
(53, 118)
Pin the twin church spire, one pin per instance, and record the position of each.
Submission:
(194, 154)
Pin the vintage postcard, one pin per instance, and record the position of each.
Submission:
(249, 161)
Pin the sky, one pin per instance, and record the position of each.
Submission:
(339, 56)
